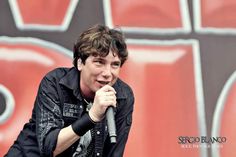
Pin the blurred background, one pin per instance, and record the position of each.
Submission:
(182, 62)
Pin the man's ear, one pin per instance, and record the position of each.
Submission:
(79, 64)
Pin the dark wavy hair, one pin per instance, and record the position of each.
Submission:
(99, 40)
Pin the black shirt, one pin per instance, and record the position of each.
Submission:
(59, 103)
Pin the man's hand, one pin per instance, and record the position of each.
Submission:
(104, 97)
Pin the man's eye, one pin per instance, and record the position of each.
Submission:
(99, 62)
(116, 65)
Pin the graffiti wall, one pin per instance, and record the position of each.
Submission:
(181, 67)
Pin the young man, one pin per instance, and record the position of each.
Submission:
(69, 110)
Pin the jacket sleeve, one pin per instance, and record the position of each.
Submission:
(123, 125)
(48, 117)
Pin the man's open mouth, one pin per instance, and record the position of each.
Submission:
(104, 82)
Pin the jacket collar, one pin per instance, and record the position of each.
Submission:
(71, 80)
(119, 88)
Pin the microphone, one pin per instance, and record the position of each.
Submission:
(111, 124)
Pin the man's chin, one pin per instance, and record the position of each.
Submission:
(97, 87)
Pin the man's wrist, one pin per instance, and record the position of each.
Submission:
(93, 118)
(82, 125)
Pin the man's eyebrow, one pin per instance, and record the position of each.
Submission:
(103, 58)
(99, 57)
(117, 61)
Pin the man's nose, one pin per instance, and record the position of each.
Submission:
(107, 71)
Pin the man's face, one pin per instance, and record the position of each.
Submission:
(97, 72)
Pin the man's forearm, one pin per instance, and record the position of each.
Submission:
(66, 138)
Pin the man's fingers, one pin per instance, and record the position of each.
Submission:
(110, 103)
(111, 93)
(104, 97)
(107, 88)
(109, 100)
